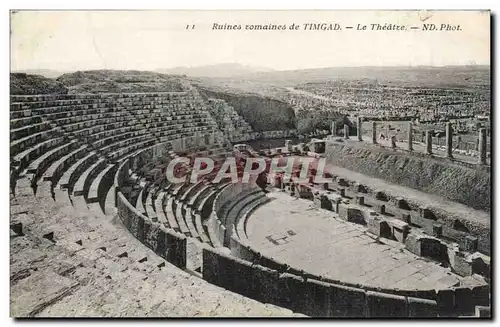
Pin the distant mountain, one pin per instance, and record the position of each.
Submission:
(21, 83)
(49, 73)
(219, 70)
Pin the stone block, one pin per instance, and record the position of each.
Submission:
(445, 300)
(360, 188)
(355, 215)
(326, 203)
(393, 141)
(461, 264)
(406, 218)
(470, 243)
(481, 295)
(151, 231)
(317, 200)
(317, 296)
(291, 297)
(418, 307)
(304, 192)
(17, 228)
(175, 248)
(266, 283)
(412, 243)
(211, 267)
(427, 213)
(463, 300)
(342, 182)
(481, 265)
(483, 312)
(336, 204)
(437, 230)
(402, 204)
(385, 305)
(342, 211)
(431, 248)
(360, 200)
(161, 245)
(400, 230)
(347, 302)
(378, 226)
(243, 272)
(379, 195)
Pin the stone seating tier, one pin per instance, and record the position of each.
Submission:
(104, 174)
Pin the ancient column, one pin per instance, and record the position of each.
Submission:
(359, 130)
(410, 136)
(374, 132)
(346, 131)
(449, 140)
(333, 128)
(482, 146)
(428, 142)
(288, 145)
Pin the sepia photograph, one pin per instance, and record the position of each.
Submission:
(250, 163)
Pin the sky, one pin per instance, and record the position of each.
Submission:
(149, 40)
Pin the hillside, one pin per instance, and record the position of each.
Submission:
(115, 81)
(49, 73)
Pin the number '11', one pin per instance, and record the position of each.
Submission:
(190, 27)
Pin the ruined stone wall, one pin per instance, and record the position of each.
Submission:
(163, 241)
(218, 219)
(319, 298)
(459, 183)
(454, 226)
(244, 251)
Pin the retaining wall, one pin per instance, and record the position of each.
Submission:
(163, 241)
(319, 298)
(456, 182)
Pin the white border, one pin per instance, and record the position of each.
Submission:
(193, 4)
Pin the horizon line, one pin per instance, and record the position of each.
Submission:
(270, 70)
